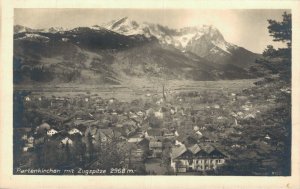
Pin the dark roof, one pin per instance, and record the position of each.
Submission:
(197, 150)
(218, 153)
(154, 132)
(207, 148)
(194, 149)
(178, 151)
(108, 132)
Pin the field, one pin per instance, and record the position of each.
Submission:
(139, 89)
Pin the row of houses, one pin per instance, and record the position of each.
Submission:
(196, 158)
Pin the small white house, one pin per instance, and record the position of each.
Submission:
(196, 128)
(267, 137)
(177, 143)
(74, 131)
(160, 101)
(24, 137)
(52, 132)
(140, 113)
(176, 133)
(240, 113)
(159, 115)
(25, 149)
(30, 140)
(173, 111)
(199, 133)
(67, 140)
(216, 106)
(64, 39)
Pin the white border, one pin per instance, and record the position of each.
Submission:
(7, 180)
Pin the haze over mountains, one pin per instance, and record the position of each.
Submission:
(123, 50)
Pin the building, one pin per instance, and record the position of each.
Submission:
(155, 134)
(196, 158)
(51, 132)
(155, 149)
(66, 141)
(137, 153)
(75, 131)
(95, 135)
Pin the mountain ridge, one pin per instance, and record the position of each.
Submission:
(103, 54)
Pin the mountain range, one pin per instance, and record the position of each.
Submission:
(123, 50)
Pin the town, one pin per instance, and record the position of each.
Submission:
(219, 131)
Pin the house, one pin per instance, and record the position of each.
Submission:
(27, 98)
(135, 158)
(160, 101)
(64, 39)
(39, 141)
(140, 113)
(112, 100)
(75, 131)
(108, 132)
(128, 130)
(155, 149)
(26, 148)
(135, 140)
(196, 158)
(149, 111)
(137, 152)
(198, 133)
(156, 134)
(51, 132)
(267, 137)
(217, 106)
(57, 102)
(66, 141)
(173, 110)
(24, 137)
(169, 134)
(30, 142)
(177, 143)
(137, 120)
(98, 136)
(159, 115)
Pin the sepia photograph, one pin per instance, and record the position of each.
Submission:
(152, 92)
(149, 94)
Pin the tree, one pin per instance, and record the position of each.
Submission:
(279, 60)
(269, 51)
(282, 31)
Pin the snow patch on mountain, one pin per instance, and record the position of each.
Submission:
(183, 40)
(32, 36)
(222, 45)
(124, 26)
(179, 38)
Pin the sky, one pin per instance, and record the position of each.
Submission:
(244, 27)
